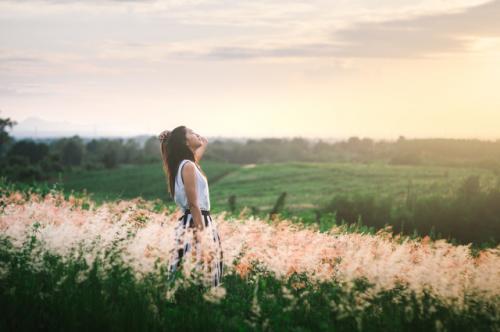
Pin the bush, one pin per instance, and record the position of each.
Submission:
(471, 215)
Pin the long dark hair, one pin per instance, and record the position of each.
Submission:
(174, 149)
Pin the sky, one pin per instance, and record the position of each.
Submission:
(316, 68)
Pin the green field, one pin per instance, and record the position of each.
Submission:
(306, 184)
(130, 181)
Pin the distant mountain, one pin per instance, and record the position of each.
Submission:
(36, 127)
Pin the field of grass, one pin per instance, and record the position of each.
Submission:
(307, 184)
(315, 183)
(130, 181)
(69, 264)
(380, 194)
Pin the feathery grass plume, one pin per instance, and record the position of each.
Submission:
(143, 238)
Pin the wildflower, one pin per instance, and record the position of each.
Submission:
(449, 272)
(242, 268)
(215, 294)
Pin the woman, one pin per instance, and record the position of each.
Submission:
(181, 151)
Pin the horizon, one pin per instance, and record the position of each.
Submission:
(45, 135)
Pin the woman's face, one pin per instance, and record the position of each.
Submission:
(193, 140)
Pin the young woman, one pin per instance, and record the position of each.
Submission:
(181, 151)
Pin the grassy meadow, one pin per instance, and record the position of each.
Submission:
(310, 186)
(68, 263)
(90, 250)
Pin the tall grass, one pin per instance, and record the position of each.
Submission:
(66, 267)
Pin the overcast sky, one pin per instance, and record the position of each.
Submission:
(316, 68)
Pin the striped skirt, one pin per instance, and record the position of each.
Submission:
(213, 269)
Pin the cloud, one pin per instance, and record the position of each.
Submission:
(26, 90)
(412, 37)
(20, 60)
(65, 2)
(421, 36)
(201, 31)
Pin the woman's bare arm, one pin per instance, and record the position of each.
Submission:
(198, 153)
(189, 177)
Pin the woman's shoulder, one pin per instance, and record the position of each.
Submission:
(186, 162)
(181, 167)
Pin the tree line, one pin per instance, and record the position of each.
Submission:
(29, 159)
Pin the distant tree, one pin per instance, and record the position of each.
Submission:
(353, 140)
(5, 138)
(72, 151)
(152, 147)
(320, 147)
(51, 163)
(92, 146)
(366, 143)
(131, 151)
(298, 149)
(19, 168)
(111, 154)
(34, 152)
(406, 158)
(470, 187)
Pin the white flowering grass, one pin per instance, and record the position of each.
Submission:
(144, 240)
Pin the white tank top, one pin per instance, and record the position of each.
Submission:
(180, 197)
